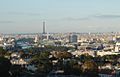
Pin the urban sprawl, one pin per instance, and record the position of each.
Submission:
(60, 54)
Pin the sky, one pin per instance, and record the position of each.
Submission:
(26, 16)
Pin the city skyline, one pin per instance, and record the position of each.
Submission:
(26, 16)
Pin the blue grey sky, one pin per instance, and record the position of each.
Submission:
(19, 16)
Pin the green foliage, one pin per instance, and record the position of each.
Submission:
(63, 55)
(4, 65)
(57, 48)
(42, 62)
(2, 51)
(44, 66)
(90, 68)
(72, 67)
(86, 57)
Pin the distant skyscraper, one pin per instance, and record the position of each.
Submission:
(44, 28)
(44, 34)
(73, 38)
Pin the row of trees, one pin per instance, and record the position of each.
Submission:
(70, 66)
(42, 62)
(82, 65)
(66, 61)
(5, 66)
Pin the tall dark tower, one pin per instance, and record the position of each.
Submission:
(43, 27)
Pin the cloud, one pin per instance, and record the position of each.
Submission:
(25, 13)
(75, 19)
(107, 16)
(93, 17)
(6, 22)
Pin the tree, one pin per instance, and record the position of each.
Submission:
(86, 57)
(90, 68)
(57, 48)
(44, 66)
(63, 55)
(42, 62)
(72, 67)
(2, 51)
(4, 67)
(21, 52)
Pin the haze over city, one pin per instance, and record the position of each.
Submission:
(59, 38)
(24, 16)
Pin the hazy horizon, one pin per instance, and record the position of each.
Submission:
(26, 16)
